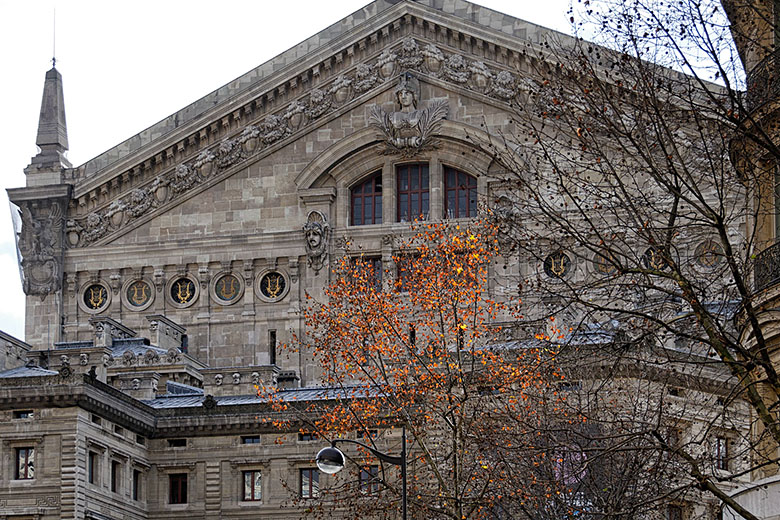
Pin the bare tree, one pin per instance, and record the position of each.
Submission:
(619, 192)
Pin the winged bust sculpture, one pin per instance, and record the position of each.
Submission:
(409, 130)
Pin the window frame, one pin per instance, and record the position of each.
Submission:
(29, 463)
(137, 484)
(721, 454)
(310, 491)
(256, 491)
(92, 467)
(177, 488)
(457, 190)
(358, 192)
(422, 211)
(368, 479)
(116, 476)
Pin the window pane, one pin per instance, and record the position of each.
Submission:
(357, 211)
(315, 483)
(424, 205)
(424, 183)
(414, 179)
(378, 211)
(369, 210)
(414, 205)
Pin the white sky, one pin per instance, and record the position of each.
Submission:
(127, 65)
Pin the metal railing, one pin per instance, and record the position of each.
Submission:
(766, 267)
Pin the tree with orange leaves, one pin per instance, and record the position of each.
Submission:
(425, 351)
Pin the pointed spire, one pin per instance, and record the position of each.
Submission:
(52, 136)
(52, 131)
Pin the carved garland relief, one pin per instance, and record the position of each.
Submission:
(405, 132)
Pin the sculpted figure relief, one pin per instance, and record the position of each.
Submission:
(40, 245)
(316, 232)
(409, 130)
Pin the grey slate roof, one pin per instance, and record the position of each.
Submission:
(193, 400)
(32, 371)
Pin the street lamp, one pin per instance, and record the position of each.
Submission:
(331, 460)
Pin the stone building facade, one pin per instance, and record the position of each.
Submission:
(162, 275)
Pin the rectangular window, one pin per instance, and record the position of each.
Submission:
(310, 483)
(96, 419)
(366, 205)
(140, 440)
(721, 453)
(461, 194)
(368, 479)
(177, 443)
(413, 195)
(116, 471)
(92, 461)
(253, 485)
(136, 484)
(272, 346)
(178, 488)
(119, 430)
(307, 436)
(25, 463)
(250, 439)
(23, 414)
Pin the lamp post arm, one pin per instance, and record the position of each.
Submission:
(390, 459)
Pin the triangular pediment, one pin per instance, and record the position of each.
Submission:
(469, 49)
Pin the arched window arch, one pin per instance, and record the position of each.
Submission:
(460, 194)
(366, 203)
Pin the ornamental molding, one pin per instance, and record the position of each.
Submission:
(405, 133)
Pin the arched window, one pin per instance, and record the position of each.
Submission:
(461, 194)
(366, 206)
(413, 193)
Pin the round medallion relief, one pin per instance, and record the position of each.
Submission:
(708, 254)
(95, 297)
(557, 265)
(227, 288)
(604, 264)
(653, 259)
(137, 294)
(182, 291)
(271, 286)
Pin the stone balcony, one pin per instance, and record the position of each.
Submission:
(766, 268)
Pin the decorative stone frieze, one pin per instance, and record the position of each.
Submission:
(410, 55)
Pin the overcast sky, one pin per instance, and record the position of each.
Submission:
(127, 65)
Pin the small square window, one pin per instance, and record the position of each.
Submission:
(253, 489)
(250, 439)
(119, 430)
(25, 463)
(310, 483)
(177, 488)
(140, 439)
(96, 419)
(23, 414)
(307, 436)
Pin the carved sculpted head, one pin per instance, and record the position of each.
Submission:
(136, 384)
(83, 359)
(316, 232)
(408, 91)
(218, 379)
(236, 378)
